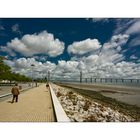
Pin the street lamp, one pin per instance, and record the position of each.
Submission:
(32, 65)
(80, 76)
(48, 76)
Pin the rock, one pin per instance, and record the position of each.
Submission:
(117, 116)
(82, 103)
(78, 118)
(104, 114)
(70, 92)
(90, 119)
(58, 94)
(79, 108)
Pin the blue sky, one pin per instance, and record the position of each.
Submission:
(67, 30)
(101, 46)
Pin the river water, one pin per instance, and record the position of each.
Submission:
(127, 93)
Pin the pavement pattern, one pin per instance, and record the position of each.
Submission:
(35, 105)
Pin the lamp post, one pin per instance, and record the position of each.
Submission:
(80, 76)
(48, 76)
(32, 65)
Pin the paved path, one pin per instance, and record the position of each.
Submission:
(34, 105)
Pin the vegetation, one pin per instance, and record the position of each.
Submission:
(7, 74)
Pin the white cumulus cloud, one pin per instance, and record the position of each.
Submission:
(42, 43)
(120, 39)
(83, 47)
(109, 61)
(23, 66)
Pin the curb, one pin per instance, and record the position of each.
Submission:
(59, 111)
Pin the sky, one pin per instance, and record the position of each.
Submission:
(99, 47)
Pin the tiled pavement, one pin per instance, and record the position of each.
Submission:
(34, 105)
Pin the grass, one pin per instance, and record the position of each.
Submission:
(132, 110)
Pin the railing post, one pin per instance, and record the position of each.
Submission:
(95, 80)
(80, 76)
(48, 76)
(101, 80)
(32, 65)
(86, 80)
(91, 79)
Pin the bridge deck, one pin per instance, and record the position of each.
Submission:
(35, 105)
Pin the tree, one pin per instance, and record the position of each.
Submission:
(3, 67)
(6, 74)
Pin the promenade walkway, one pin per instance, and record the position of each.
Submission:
(34, 105)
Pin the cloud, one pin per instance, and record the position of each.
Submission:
(116, 42)
(109, 51)
(68, 66)
(120, 39)
(127, 26)
(98, 19)
(7, 50)
(130, 26)
(133, 57)
(83, 47)
(34, 44)
(122, 24)
(23, 66)
(134, 42)
(92, 59)
(2, 31)
(2, 27)
(42, 58)
(15, 29)
(134, 28)
(93, 45)
(90, 66)
(108, 62)
(112, 50)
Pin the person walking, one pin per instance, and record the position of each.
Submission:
(47, 85)
(15, 92)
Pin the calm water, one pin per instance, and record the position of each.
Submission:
(118, 83)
